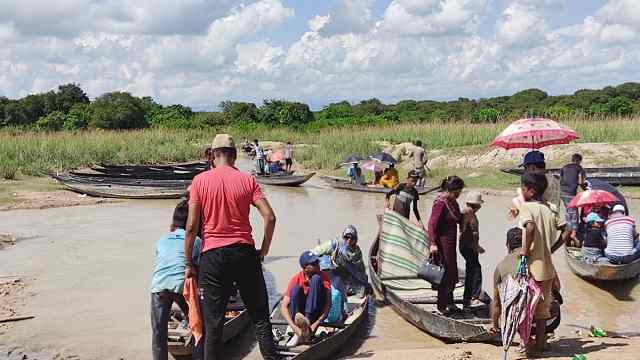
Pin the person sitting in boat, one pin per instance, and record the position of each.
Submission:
(355, 173)
(622, 237)
(346, 255)
(594, 243)
(406, 198)
(337, 312)
(307, 301)
(168, 278)
(275, 167)
(390, 179)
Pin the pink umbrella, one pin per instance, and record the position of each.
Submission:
(371, 165)
(592, 198)
(534, 133)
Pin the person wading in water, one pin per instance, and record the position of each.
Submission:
(222, 197)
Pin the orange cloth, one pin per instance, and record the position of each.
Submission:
(190, 293)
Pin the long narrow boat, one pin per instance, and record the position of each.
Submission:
(419, 307)
(101, 180)
(343, 184)
(180, 339)
(162, 175)
(133, 168)
(614, 175)
(125, 191)
(329, 339)
(598, 271)
(284, 180)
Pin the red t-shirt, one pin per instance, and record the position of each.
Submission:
(299, 279)
(226, 195)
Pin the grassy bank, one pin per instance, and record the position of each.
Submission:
(35, 153)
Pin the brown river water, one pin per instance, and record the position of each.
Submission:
(92, 265)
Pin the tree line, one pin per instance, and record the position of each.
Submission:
(69, 108)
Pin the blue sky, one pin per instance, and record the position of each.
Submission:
(200, 53)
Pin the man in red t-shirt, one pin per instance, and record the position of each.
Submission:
(221, 198)
(307, 300)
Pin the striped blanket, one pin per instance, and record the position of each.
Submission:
(403, 249)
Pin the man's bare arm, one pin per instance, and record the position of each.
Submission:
(529, 233)
(269, 218)
(564, 238)
(193, 224)
(495, 309)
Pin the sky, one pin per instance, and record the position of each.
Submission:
(201, 52)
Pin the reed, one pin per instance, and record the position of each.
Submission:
(36, 153)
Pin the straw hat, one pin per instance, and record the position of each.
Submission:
(223, 141)
(474, 198)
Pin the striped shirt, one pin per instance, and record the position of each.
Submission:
(620, 235)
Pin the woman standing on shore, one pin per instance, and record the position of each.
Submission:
(443, 232)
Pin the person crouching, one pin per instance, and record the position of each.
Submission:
(307, 300)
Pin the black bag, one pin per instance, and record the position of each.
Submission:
(431, 272)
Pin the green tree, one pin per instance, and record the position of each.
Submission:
(342, 109)
(53, 121)
(620, 105)
(485, 115)
(370, 107)
(68, 95)
(239, 111)
(78, 117)
(174, 116)
(559, 111)
(117, 110)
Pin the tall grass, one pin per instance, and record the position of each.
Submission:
(33, 153)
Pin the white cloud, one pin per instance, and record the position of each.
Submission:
(433, 17)
(521, 24)
(347, 16)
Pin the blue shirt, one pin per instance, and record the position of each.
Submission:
(168, 273)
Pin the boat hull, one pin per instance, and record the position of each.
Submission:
(603, 272)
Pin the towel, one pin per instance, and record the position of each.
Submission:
(404, 247)
(190, 293)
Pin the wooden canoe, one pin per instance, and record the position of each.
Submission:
(421, 311)
(125, 191)
(343, 184)
(329, 340)
(284, 180)
(599, 271)
(180, 339)
(137, 168)
(99, 180)
(159, 175)
(613, 175)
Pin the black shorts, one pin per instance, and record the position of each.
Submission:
(288, 161)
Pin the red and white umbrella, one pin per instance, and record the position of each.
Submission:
(592, 198)
(534, 133)
(372, 165)
(277, 155)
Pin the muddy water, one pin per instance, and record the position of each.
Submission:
(92, 265)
